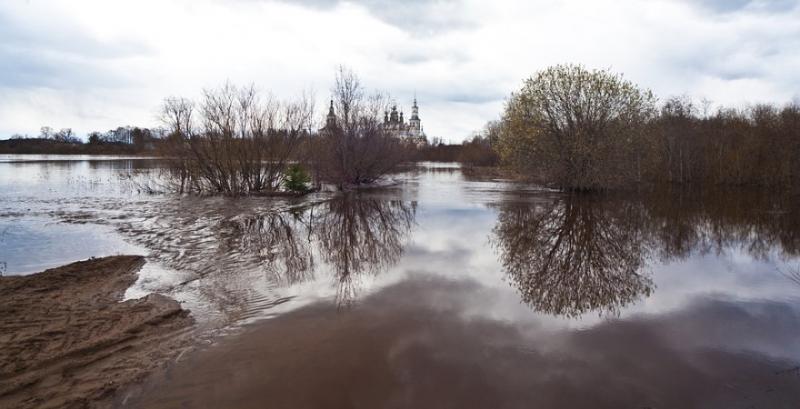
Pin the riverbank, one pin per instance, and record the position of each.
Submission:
(67, 340)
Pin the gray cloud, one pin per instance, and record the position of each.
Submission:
(31, 69)
(734, 6)
(58, 56)
(417, 17)
(61, 62)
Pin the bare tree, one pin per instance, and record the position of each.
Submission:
(65, 135)
(45, 132)
(177, 115)
(349, 97)
(354, 149)
(481, 149)
(238, 143)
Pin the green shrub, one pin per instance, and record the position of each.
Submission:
(297, 179)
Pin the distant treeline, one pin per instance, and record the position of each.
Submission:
(120, 141)
(758, 146)
(476, 151)
(439, 153)
(576, 129)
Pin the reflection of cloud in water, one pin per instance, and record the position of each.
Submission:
(710, 354)
(242, 256)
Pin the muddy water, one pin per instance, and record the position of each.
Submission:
(449, 290)
(37, 190)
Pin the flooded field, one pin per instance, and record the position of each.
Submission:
(445, 290)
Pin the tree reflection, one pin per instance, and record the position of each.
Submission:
(362, 235)
(686, 222)
(352, 235)
(278, 242)
(573, 254)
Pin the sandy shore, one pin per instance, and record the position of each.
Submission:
(66, 340)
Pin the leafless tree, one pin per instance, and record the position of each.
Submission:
(46, 132)
(177, 115)
(354, 149)
(238, 142)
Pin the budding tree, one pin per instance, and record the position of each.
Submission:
(578, 128)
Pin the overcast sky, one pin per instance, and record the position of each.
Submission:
(97, 64)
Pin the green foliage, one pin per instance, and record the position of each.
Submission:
(297, 179)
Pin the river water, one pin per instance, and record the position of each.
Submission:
(448, 289)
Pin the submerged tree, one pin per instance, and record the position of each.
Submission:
(577, 128)
(353, 148)
(234, 141)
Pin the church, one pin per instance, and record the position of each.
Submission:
(394, 124)
(412, 131)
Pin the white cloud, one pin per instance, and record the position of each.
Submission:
(97, 64)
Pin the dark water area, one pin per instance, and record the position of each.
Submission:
(450, 289)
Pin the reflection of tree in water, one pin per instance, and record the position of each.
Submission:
(362, 235)
(572, 255)
(683, 223)
(353, 235)
(575, 254)
(280, 243)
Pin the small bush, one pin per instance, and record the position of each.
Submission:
(297, 179)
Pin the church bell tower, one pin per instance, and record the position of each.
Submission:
(414, 122)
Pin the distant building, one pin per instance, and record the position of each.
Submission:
(412, 131)
(330, 120)
(394, 124)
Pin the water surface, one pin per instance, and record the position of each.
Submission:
(451, 290)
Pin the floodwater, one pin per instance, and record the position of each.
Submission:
(446, 290)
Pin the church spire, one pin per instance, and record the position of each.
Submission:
(330, 121)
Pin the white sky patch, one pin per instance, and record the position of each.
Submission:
(95, 65)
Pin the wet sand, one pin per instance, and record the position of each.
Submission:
(410, 346)
(66, 340)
